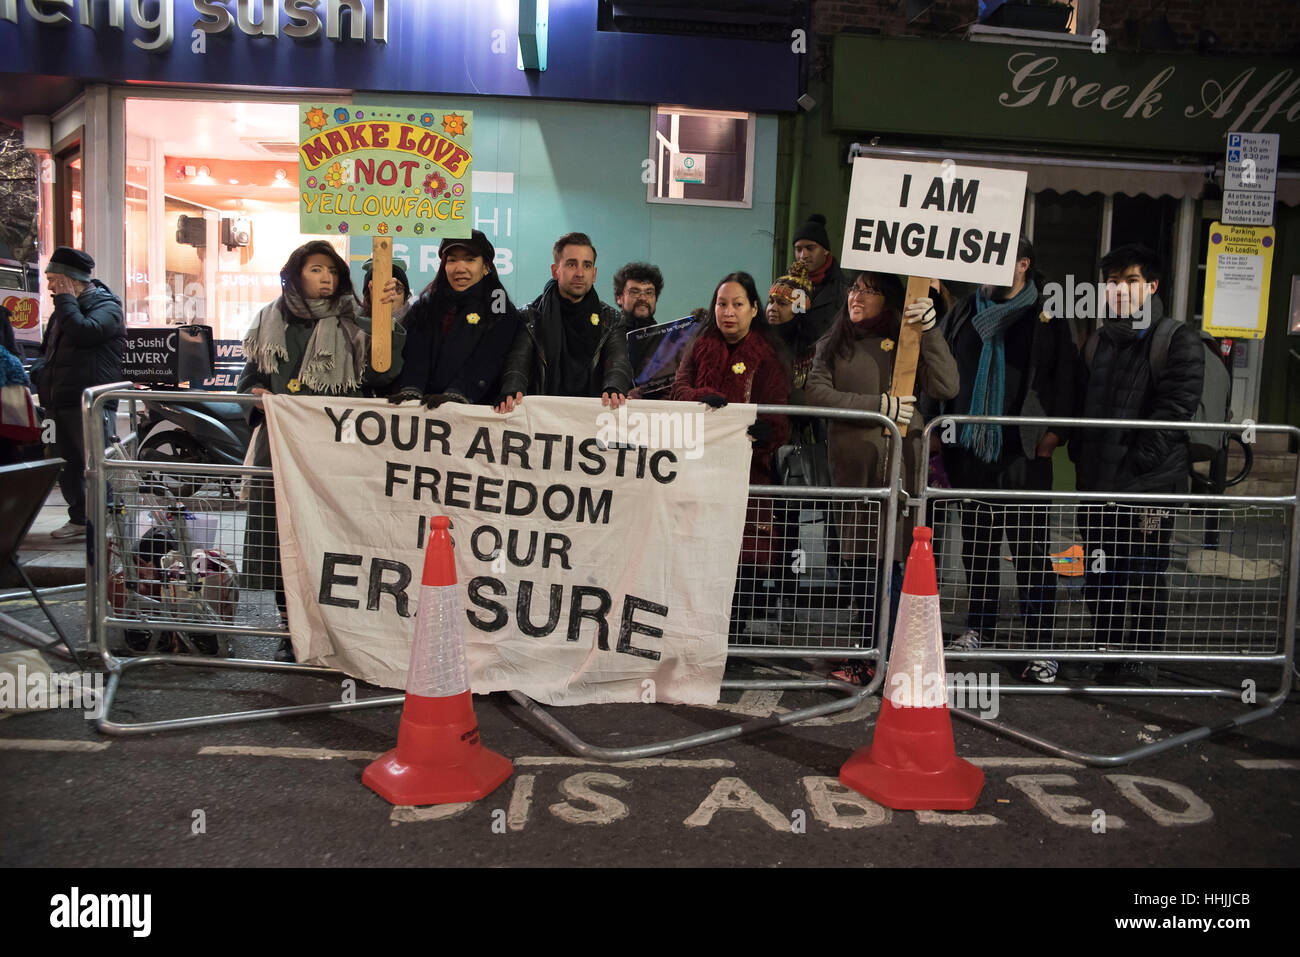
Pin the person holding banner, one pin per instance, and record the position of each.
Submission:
(401, 285)
(737, 358)
(458, 331)
(569, 342)
(852, 369)
(310, 341)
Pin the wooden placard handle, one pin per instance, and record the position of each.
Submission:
(381, 313)
(908, 355)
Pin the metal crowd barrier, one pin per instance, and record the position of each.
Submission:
(1100, 578)
(148, 515)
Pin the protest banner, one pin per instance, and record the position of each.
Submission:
(381, 171)
(931, 221)
(656, 352)
(594, 549)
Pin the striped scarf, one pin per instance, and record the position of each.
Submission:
(991, 321)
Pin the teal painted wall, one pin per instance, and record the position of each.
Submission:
(577, 166)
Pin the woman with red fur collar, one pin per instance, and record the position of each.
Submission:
(736, 359)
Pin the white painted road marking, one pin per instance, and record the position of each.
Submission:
(49, 744)
(405, 814)
(537, 762)
(1269, 764)
(314, 754)
(1024, 763)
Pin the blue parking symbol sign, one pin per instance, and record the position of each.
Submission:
(1234, 140)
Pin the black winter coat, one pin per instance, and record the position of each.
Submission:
(469, 359)
(534, 364)
(826, 302)
(1118, 384)
(83, 346)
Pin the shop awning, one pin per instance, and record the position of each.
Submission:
(1070, 174)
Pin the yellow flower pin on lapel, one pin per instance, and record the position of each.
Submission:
(595, 319)
(473, 318)
(887, 345)
(295, 385)
(1044, 316)
(738, 368)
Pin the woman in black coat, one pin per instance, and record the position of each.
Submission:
(459, 331)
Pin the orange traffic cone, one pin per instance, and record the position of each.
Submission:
(912, 763)
(439, 758)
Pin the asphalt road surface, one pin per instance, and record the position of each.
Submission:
(289, 792)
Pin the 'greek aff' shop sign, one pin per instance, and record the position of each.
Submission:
(1000, 91)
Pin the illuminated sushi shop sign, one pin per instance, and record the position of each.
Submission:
(299, 19)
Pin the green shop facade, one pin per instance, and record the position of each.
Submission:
(1118, 147)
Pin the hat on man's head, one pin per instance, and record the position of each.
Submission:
(786, 286)
(814, 228)
(399, 273)
(477, 244)
(70, 262)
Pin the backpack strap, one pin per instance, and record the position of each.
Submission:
(1160, 340)
(1090, 349)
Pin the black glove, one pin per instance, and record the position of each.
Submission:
(434, 399)
(617, 392)
(713, 401)
(761, 431)
(406, 395)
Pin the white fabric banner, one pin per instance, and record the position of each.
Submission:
(595, 551)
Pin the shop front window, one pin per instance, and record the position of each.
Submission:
(211, 210)
(700, 157)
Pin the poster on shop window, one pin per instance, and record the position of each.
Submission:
(399, 172)
(594, 549)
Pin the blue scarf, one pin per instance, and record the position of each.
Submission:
(991, 321)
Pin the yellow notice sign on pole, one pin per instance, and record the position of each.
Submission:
(1238, 267)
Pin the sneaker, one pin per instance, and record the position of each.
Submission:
(285, 651)
(70, 530)
(969, 641)
(1042, 670)
(854, 673)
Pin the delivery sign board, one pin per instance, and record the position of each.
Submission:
(391, 171)
(939, 221)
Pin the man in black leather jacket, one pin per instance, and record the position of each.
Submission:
(1127, 545)
(569, 343)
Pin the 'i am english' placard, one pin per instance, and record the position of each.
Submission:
(926, 219)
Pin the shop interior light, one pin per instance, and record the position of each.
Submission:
(204, 176)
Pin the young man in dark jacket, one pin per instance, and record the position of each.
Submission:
(1014, 358)
(1128, 546)
(83, 347)
(569, 342)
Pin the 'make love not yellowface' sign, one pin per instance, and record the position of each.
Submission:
(384, 171)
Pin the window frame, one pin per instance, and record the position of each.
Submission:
(652, 154)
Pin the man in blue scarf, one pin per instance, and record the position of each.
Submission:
(1014, 358)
